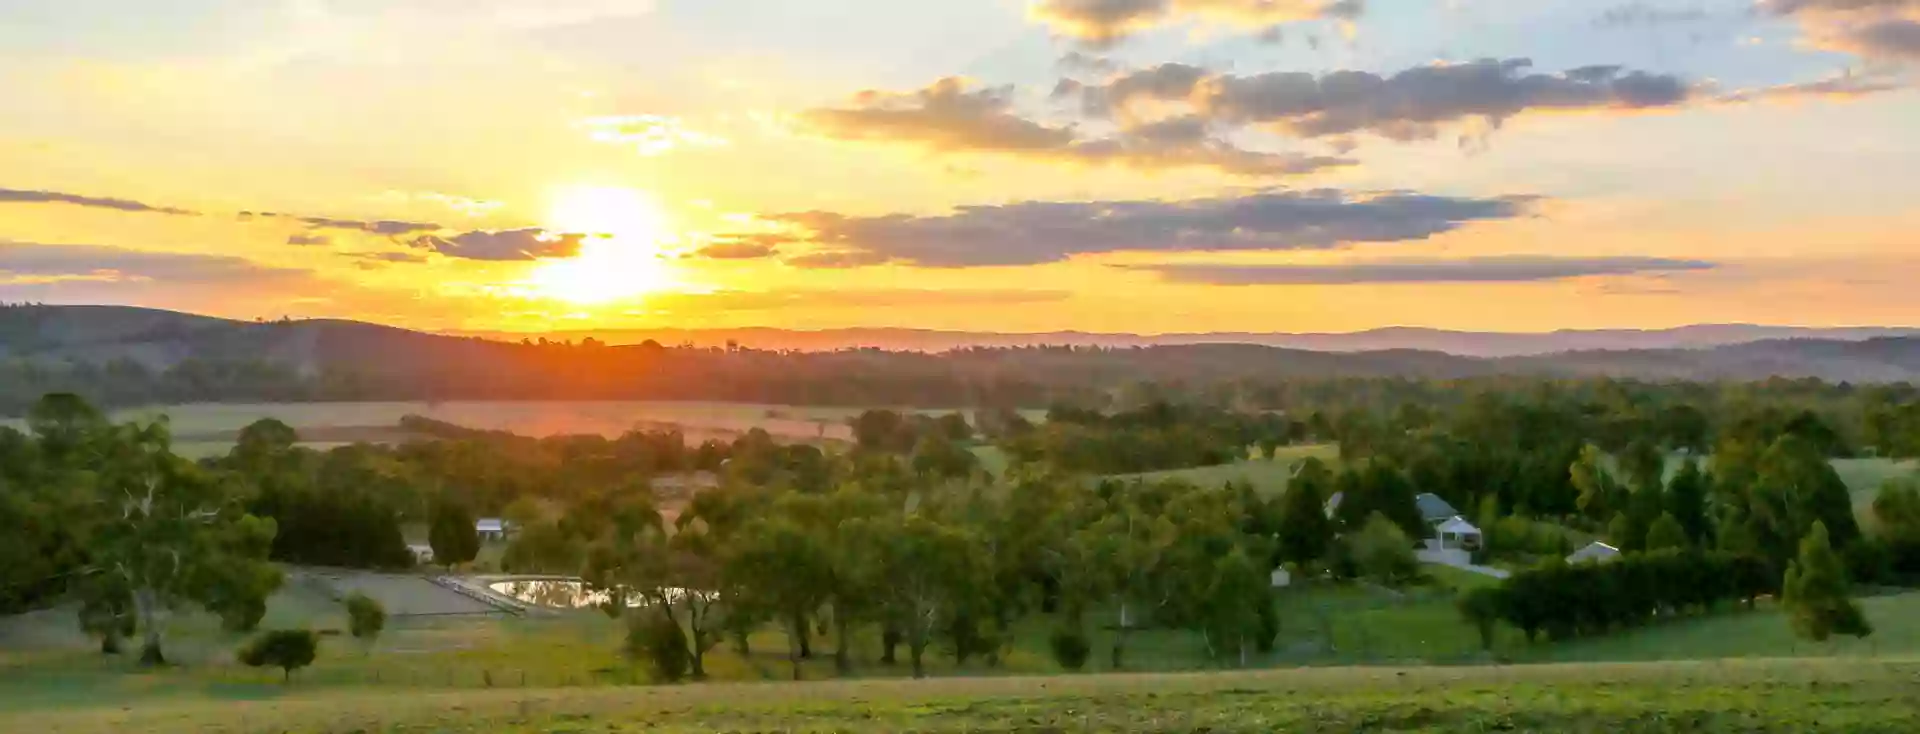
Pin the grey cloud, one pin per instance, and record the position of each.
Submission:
(309, 239)
(1036, 232)
(951, 117)
(854, 298)
(1106, 22)
(1496, 269)
(1643, 15)
(514, 244)
(1409, 105)
(1793, 7)
(113, 264)
(1081, 62)
(25, 196)
(1839, 87)
(385, 227)
(372, 258)
(1892, 38)
(745, 247)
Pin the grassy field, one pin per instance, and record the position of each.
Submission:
(1269, 476)
(1744, 696)
(1761, 633)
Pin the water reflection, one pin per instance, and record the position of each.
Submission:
(566, 593)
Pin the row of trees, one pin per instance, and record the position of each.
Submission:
(1586, 599)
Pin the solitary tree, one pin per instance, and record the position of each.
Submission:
(1815, 592)
(1480, 606)
(452, 534)
(288, 650)
(365, 617)
(1383, 551)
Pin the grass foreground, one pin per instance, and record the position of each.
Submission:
(1746, 696)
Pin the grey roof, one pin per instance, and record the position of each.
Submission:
(1433, 508)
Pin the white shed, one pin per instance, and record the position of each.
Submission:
(490, 528)
(1456, 532)
(1596, 552)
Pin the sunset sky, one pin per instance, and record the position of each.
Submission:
(1104, 165)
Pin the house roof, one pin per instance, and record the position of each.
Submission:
(1593, 551)
(489, 525)
(1433, 508)
(1459, 526)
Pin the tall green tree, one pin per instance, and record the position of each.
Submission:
(174, 533)
(1687, 500)
(1305, 529)
(1666, 534)
(452, 534)
(1815, 592)
(784, 568)
(930, 570)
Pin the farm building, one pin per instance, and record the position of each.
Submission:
(1596, 552)
(422, 553)
(1432, 509)
(1456, 532)
(1435, 510)
(490, 528)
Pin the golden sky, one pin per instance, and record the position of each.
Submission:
(996, 165)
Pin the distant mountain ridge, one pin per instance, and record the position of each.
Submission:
(1457, 343)
(368, 361)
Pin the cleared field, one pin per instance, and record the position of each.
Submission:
(1750, 696)
(1268, 476)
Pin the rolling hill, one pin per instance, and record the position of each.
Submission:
(142, 355)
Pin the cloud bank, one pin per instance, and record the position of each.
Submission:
(1036, 232)
(1495, 269)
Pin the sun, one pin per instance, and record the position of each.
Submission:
(623, 254)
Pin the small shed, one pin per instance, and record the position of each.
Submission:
(422, 553)
(490, 528)
(1596, 552)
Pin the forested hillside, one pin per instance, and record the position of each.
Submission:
(122, 356)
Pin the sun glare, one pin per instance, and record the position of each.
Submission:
(622, 256)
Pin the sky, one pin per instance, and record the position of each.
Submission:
(1144, 166)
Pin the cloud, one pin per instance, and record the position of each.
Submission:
(385, 227)
(852, 298)
(309, 239)
(952, 117)
(29, 264)
(1495, 269)
(837, 259)
(1885, 30)
(1639, 14)
(1106, 22)
(464, 205)
(1410, 105)
(652, 135)
(1077, 62)
(24, 196)
(1035, 232)
(1841, 87)
(1836, 7)
(373, 259)
(744, 247)
(513, 244)
(1895, 39)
